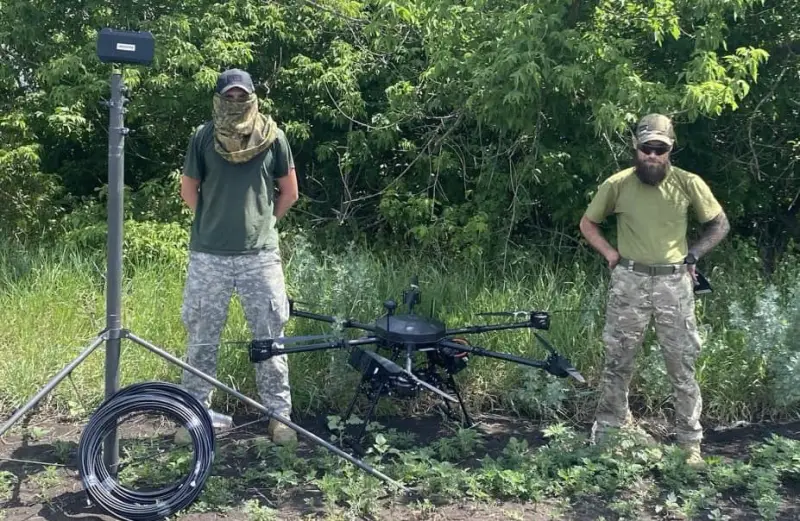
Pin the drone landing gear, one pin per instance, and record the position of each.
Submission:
(374, 394)
(383, 377)
(379, 377)
(443, 364)
(465, 419)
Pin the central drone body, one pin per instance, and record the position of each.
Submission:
(410, 329)
(446, 351)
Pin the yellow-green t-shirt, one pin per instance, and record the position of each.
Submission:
(652, 220)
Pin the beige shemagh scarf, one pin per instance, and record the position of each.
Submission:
(240, 131)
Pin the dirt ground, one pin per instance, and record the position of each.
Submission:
(56, 494)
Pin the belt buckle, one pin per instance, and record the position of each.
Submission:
(652, 270)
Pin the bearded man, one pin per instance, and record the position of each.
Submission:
(233, 166)
(653, 275)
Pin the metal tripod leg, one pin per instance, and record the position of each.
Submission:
(52, 383)
(249, 401)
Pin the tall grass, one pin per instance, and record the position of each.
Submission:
(52, 303)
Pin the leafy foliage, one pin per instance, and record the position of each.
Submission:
(452, 128)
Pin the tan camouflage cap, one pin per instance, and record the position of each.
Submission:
(655, 127)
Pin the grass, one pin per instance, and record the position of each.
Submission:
(52, 302)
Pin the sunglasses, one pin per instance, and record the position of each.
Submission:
(659, 150)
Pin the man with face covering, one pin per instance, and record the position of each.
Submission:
(239, 179)
(653, 273)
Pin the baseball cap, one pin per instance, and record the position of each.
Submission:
(655, 127)
(234, 78)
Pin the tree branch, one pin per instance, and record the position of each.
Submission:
(752, 117)
(410, 165)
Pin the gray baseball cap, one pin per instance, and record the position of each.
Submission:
(655, 127)
(235, 78)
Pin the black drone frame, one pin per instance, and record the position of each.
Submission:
(446, 352)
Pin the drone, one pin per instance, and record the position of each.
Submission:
(401, 336)
(399, 371)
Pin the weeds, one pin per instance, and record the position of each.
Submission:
(52, 303)
(748, 369)
(623, 478)
(630, 479)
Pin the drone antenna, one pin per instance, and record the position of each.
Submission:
(390, 306)
(411, 295)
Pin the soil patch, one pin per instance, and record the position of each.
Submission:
(39, 467)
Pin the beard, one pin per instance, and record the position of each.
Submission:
(651, 173)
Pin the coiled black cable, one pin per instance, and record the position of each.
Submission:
(153, 397)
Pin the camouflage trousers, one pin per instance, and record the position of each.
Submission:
(258, 281)
(635, 298)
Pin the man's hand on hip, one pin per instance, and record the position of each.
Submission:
(591, 232)
(613, 259)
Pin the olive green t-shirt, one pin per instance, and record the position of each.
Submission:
(234, 213)
(652, 220)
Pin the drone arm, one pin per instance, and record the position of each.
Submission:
(334, 344)
(487, 328)
(493, 354)
(261, 350)
(330, 319)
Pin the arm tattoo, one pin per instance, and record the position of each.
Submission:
(712, 234)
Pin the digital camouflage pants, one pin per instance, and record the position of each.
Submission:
(635, 298)
(258, 281)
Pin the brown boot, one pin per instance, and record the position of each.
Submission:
(694, 456)
(642, 436)
(280, 433)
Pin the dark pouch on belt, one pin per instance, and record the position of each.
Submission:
(701, 286)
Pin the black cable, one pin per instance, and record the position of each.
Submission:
(153, 397)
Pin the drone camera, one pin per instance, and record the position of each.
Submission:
(261, 350)
(411, 297)
(403, 386)
(540, 320)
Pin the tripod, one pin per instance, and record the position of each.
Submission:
(137, 47)
(113, 332)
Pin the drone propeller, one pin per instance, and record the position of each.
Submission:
(558, 365)
(546, 343)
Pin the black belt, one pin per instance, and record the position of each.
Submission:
(651, 269)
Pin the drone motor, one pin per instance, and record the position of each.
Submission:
(540, 320)
(451, 360)
(261, 350)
